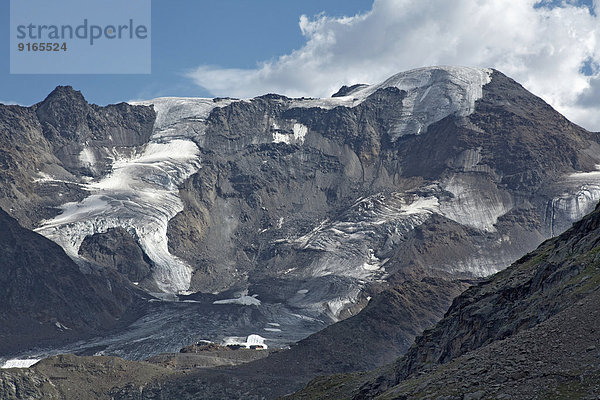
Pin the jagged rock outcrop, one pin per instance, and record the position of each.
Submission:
(119, 250)
(347, 90)
(85, 137)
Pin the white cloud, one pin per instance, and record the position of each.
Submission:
(543, 48)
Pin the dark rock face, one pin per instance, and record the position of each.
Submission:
(555, 359)
(347, 90)
(119, 250)
(518, 298)
(44, 298)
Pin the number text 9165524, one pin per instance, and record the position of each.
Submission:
(39, 47)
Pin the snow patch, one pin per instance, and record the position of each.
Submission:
(61, 326)
(242, 300)
(300, 132)
(297, 136)
(17, 363)
(373, 263)
(252, 340)
(87, 157)
(281, 138)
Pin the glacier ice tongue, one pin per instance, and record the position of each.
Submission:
(141, 192)
(580, 198)
(140, 195)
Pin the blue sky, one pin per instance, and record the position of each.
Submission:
(185, 34)
(244, 48)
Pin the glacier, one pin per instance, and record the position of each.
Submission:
(141, 193)
(432, 93)
(580, 194)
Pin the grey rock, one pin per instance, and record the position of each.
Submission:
(478, 395)
(119, 250)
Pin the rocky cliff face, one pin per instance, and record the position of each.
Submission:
(558, 274)
(117, 249)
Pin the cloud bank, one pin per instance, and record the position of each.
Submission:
(552, 48)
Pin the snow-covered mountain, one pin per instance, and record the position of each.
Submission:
(311, 204)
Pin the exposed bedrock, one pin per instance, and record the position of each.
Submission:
(119, 250)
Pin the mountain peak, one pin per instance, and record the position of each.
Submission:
(432, 93)
(64, 108)
(347, 90)
(64, 93)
